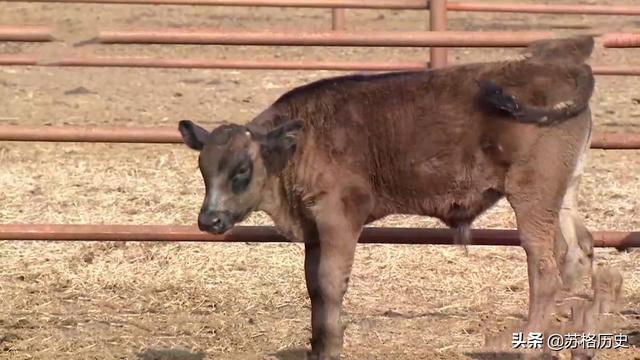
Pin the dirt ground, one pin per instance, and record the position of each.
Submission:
(245, 301)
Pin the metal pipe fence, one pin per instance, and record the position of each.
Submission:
(168, 135)
(438, 39)
(370, 235)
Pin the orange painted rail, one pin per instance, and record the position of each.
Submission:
(93, 61)
(327, 38)
(26, 33)
(169, 135)
(355, 4)
(621, 40)
(385, 4)
(581, 9)
(377, 235)
(438, 39)
(142, 62)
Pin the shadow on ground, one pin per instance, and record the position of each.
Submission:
(505, 356)
(170, 354)
(633, 336)
(290, 354)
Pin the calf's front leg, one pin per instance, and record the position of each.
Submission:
(329, 253)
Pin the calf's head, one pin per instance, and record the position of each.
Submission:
(236, 165)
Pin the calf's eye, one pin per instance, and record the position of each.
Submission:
(241, 178)
(243, 171)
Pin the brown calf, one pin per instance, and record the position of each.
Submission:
(331, 156)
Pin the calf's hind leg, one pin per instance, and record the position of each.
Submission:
(535, 192)
(573, 243)
(537, 231)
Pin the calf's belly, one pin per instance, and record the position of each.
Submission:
(453, 207)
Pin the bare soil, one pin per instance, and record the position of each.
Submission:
(245, 301)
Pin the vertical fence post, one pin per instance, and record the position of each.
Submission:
(338, 19)
(438, 22)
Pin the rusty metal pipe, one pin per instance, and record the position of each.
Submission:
(90, 61)
(26, 33)
(545, 8)
(438, 22)
(615, 141)
(377, 235)
(151, 135)
(33, 60)
(617, 70)
(280, 38)
(621, 40)
(169, 135)
(353, 4)
(338, 19)
(384, 4)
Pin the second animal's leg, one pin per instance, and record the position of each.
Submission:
(574, 243)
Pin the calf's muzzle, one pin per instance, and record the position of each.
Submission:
(216, 222)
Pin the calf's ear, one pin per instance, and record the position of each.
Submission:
(279, 145)
(286, 135)
(193, 135)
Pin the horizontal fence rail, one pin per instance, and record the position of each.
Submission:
(354, 4)
(578, 9)
(92, 61)
(107, 134)
(435, 39)
(377, 235)
(169, 135)
(328, 38)
(384, 4)
(622, 40)
(26, 33)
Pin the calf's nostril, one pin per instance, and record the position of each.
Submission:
(212, 221)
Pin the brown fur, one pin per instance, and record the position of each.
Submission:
(573, 50)
(342, 152)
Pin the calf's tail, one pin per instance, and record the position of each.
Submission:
(571, 50)
(495, 97)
